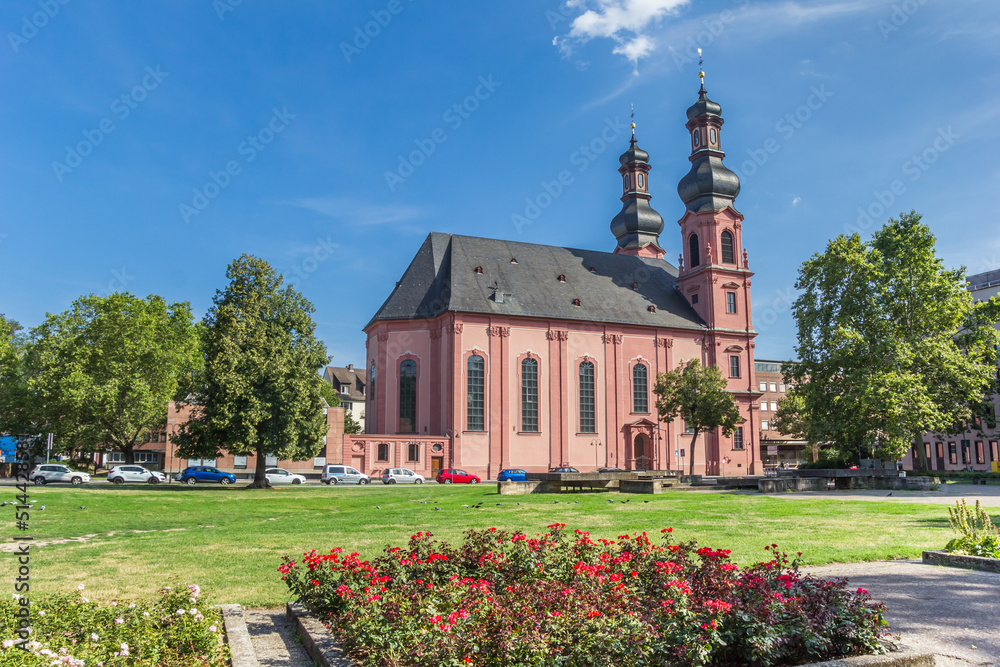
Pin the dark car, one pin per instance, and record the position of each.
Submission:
(512, 475)
(564, 469)
(196, 474)
(456, 476)
(606, 469)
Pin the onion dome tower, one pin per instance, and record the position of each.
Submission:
(637, 226)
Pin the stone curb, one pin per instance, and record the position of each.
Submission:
(241, 651)
(326, 651)
(317, 640)
(958, 560)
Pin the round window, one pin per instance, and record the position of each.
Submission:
(437, 447)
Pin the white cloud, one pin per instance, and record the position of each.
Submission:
(796, 200)
(627, 22)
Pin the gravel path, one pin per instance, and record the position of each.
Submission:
(944, 610)
(274, 640)
(946, 494)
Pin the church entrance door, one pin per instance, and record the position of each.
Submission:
(640, 453)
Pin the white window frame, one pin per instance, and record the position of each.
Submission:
(239, 462)
(774, 386)
(763, 425)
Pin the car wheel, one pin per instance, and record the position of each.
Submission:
(190, 481)
(363, 482)
(40, 480)
(418, 481)
(392, 481)
(473, 481)
(77, 481)
(118, 480)
(447, 481)
(224, 481)
(154, 481)
(296, 481)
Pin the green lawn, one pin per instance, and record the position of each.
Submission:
(131, 540)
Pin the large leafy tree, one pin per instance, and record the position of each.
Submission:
(260, 393)
(15, 416)
(699, 396)
(890, 342)
(100, 374)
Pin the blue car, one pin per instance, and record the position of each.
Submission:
(196, 474)
(512, 475)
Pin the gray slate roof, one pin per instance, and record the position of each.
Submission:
(356, 378)
(442, 277)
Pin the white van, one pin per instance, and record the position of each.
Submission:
(341, 474)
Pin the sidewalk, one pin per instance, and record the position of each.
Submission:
(942, 610)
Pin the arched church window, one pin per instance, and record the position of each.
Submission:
(371, 384)
(714, 137)
(697, 139)
(475, 408)
(642, 181)
(383, 451)
(694, 255)
(408, 396)
(529, 396)
(587, 421)
(640, 389)
(728, 256)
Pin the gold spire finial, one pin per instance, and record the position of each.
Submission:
(701, 70)
(633, 120)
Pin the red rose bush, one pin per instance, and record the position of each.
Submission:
(503, 598)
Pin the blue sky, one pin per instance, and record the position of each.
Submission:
(147, 145)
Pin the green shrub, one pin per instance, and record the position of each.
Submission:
(180, 629)
(977, 535)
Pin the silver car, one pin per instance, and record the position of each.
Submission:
(56, 472)
(340, 474)
(135, 475)
(281, 476)
(401, 476)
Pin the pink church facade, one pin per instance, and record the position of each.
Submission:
(493, 354)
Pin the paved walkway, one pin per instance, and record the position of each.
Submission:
(274, 639)
(946, 494)
(943, 610)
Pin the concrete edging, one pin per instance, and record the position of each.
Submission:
(946, 559)
(241, 651)
(326, 651)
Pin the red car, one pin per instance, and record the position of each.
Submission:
(456, 476)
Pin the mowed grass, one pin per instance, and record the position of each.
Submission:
(129, 541)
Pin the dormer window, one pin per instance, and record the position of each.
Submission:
(576, 302)
(513, 260)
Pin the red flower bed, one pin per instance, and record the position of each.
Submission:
(502, 598)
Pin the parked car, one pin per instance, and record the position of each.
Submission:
(56, 472)
(401, 476)
(135, 474)
(340, 474)
(194, 474)
(281, 476)
(609, 469)
(456, 476)
(512, 475)
(564, 469)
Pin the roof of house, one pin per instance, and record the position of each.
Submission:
(355, 378)
(495, 277)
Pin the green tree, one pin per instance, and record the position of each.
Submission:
(14, 414)
(100, 374)
(260, 393)
(699, 396)
(890, 342)
(330, 394)
(351, 427)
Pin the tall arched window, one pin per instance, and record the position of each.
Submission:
(475, 418)
(587, 422)
(371, 385)
(640, 389)
(529, 396)
(728, 256)
(694, 256)
(408, 396)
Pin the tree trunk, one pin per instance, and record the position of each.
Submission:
(694, 441)
(259, 480)
(921, 462)
(129, 450)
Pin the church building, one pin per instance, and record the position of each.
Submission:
(492, 354)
